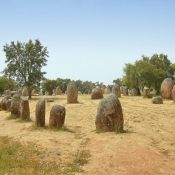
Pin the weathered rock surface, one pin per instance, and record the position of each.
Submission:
(166, 88)
(157, 100)
(25, 92)
(103, 88)
(15, 103)
(57, 116)
(116, 90)
(40, 113)
(107, 90)
(146, 92)
(4, 102)
(173, 93)
(109, 114)
(58, 91)
(96, 93)
(125, 90)
(24, 108)
(72, 93)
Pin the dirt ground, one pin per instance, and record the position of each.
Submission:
(147, 146)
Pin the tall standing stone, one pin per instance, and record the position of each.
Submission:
(103, 88)
(109, 114)
(166, 88)
(72, 93)
(58, 91)
(24, 108)
(57, 116)
(107, 90)
(25, 92)
(116, 90)
(15, 103)
(40, 112)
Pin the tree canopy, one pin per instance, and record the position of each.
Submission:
(25, 61)
(148, 72)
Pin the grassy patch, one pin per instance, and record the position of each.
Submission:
(98, 131)
(20, 120)
(24, 159)
(11, 116)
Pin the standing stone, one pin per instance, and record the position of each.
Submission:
(72, 93)
(40, 112)
(24, 108)
(15, 103)
(41, 93)
(7, 92)
(96, 93)
(116, 90)
(166, 88)
(146, 92)
(173, 93)
(25, 92)
(57, 116)
(103, 88)
(4, 102)
(9, 104)
(54, 92)
(135, 92)
(107, 90)
(125, 90)
(13, 93)
(58, 91)
(33, 92)
(121, 89)
(109, 114)
(20, 91)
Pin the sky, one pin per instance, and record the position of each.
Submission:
(90, 40)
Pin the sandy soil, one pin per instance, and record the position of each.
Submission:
(147, 147)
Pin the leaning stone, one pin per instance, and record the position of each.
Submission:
(72, 93)
(96, 93)
(157, 100)
(40, 113)
(116, 90)
(24, 108)
(166, 88)
(57, 116)
(109, 114)
(4, 102)
(15, 103)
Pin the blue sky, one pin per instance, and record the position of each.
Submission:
(90, 39)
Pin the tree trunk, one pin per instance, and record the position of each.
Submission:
(157, 89)
(30, 92)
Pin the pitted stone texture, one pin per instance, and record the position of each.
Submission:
(109, 114)
(72, 93)
(146, 92)
(96, 93)
(24, 108)
(166, 88)
(4, 102)
(125, 90)
(116, 90)
(157, 100)
(57, 116)
(40, 113)
(173, 93)
(15, 103)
